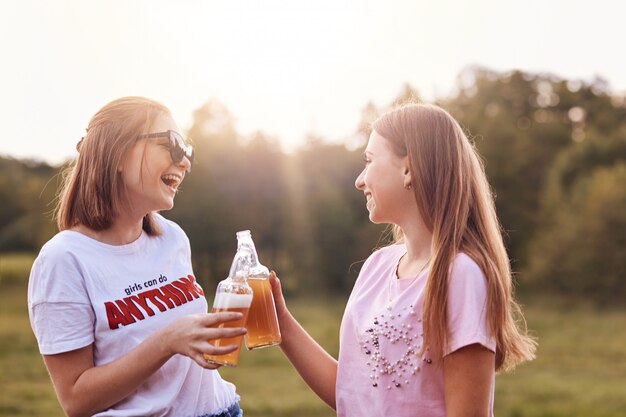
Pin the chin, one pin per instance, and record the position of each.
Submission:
(166, 205)
(374, 219)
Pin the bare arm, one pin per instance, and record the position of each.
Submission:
(468, 374)
(84, 389)
(313, 363)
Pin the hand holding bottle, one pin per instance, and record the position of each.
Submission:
(279, 299)
(188, 336)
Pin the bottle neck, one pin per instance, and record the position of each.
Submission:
(246, 242)
(242, 262)
(257, 269)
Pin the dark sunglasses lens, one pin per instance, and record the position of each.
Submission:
(177, 154)
(179, 149)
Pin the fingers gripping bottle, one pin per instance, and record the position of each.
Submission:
(233, 294)
(262, 324)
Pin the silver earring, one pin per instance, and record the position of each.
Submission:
(408, 186)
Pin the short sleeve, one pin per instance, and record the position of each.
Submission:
(467, 307)
(60, 311)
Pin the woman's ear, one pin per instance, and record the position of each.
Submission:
(407, 174)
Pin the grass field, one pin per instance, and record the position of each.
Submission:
(580, 370)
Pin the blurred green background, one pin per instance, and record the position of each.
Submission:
(555, 154)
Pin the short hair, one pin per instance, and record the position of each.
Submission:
(92, 190)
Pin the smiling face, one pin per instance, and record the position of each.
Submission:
(151, 179)
(383, 181)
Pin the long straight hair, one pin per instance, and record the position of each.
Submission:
(456, 203)
(92, 191)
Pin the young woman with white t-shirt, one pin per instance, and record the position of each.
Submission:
(431, 318)
(120, 320)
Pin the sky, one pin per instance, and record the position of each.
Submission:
(287, 68)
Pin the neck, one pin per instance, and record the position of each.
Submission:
(123, 231)
(418, 241)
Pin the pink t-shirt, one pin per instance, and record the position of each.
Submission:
(380, 372)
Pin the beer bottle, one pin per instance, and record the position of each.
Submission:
(233, 294)
(262, 324)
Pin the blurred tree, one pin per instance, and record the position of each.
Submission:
(554, 152)
(27, 190)
(236, 184)
(408, 94)
(580, 247)
(520, 123)
(302, 208)
(336, 210)
(201, 208)
(582, 250)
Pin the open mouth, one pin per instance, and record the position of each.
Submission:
(171, 180)
(368, 200)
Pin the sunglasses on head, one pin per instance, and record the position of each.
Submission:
(177, 147)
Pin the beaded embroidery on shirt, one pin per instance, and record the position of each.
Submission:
(394, 328)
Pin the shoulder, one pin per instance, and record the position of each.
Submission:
(169, 228)
(382, 259)
(62, 248)
(466, 279)
(57, 271)
(378, 264)
(166, 224)
(465, 267)
(172, 235)
(386, 254)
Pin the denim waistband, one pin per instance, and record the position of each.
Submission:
(232, 411)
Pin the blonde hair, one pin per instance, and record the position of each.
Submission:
(456, 204)
(92, 190)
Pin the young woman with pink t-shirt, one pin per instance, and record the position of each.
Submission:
(431, 318)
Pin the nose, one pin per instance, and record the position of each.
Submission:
(185, 163)
(360, 182)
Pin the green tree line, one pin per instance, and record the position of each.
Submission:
(554, 152)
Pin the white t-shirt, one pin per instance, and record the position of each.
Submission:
(82, 291)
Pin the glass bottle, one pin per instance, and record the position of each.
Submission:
(233, 294)
(262, 323)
